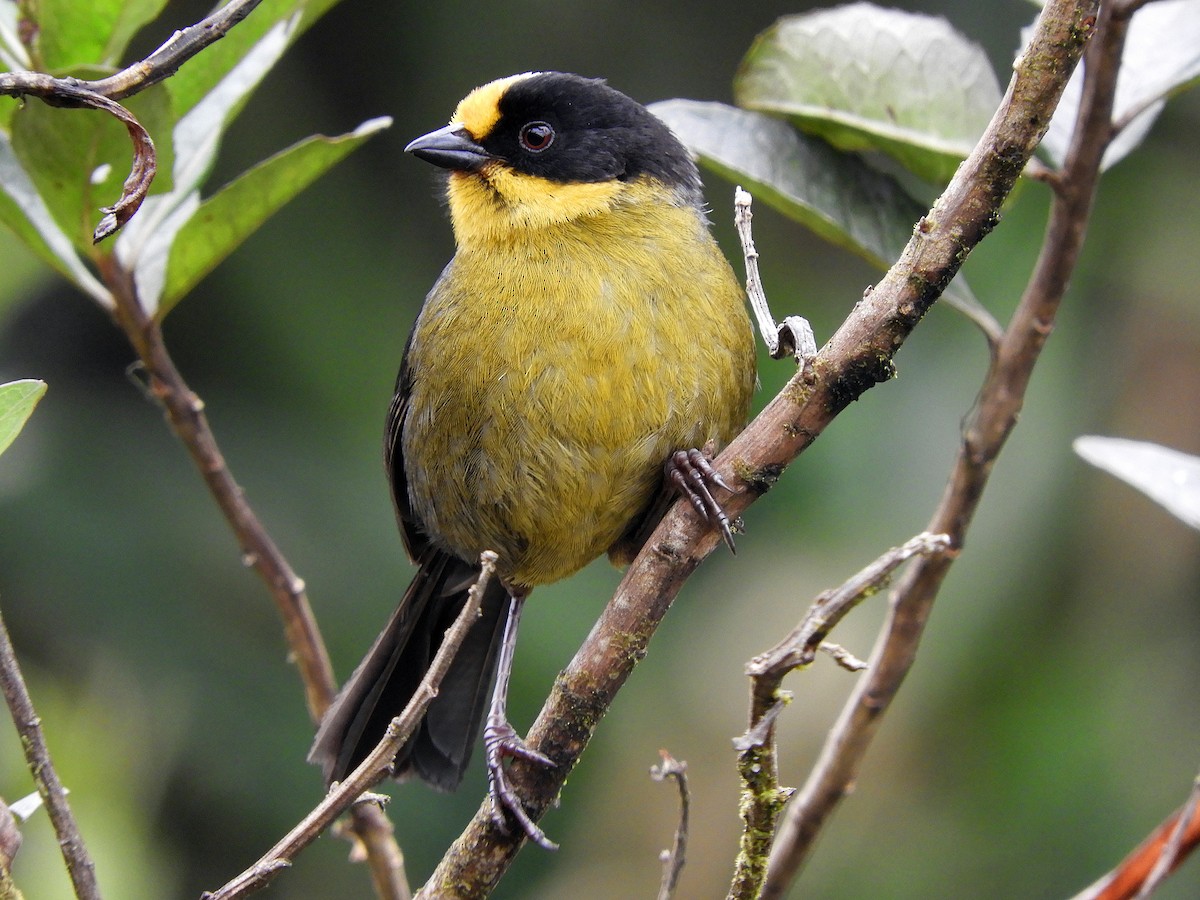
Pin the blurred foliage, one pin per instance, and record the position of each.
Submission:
(1051, 720)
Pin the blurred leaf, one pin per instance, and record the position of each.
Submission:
(17, 400)
(24, 211)
(226, 219)
(1166, 476)
(71, 33)
(78, 158)
(867, 78)
(1161, 58)
(203, 72)
(834, 194)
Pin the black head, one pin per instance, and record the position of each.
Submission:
(563, 128)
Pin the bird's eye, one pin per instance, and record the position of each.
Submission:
(536, 136)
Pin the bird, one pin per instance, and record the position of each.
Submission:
(568, 377)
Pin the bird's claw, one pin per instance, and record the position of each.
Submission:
(501, 740)
(692, 474)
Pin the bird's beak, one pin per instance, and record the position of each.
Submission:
(451, 147)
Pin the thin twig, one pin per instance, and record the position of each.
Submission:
(75, 853)
(999, 403)
(1169, 858)
(73, 94)
(856, 358)
(378, 763)
(673, 859)
(185, 413)
(159, 65)
(842, 656)
(762, 797)
(793, 335)
(1155, 858)
(179, 48)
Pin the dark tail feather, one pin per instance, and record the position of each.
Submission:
(386, 679)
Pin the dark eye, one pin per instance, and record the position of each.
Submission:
(536, 136)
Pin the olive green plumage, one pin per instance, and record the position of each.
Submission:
(587, 327)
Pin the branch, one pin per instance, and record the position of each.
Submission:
(1000, 401)
(763, 798)
(673, 859)
(185, 414)
(75, 853)
(179, 48)
(377, 766)
(1159, 855)
(857, 357)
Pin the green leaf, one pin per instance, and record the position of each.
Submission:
(226, 219)
(1161, 59)
(23, 210)
(1170, 478)
(867, 78)
(71, 33)
(17, 400)
(834, 194)
(200, 74)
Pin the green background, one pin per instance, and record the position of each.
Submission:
(1051, 720)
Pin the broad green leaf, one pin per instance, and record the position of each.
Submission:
(1170, 478)
(867, 78)
(834, 194)
(230, 216)
(203, 72)
(71, 33)
(17, 400)
(79, 158)
(1161, 58)
(23, 210)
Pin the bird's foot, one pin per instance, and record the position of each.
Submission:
(692, 474)
(501, 740)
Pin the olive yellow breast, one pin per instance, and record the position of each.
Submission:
(568, 348)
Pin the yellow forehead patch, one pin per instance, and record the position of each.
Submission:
(479, 111)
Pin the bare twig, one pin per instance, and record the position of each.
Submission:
(996, 413)
(73, 94)
(1170, 856)
(185, 413)
(842, 656)
(673, 859)
(793, 335)
(376, 766)
(1157, 856)
(800, 647)
(179, 48)
(858, 356)
(75, 853)
(762, 797)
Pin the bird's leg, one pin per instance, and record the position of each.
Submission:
(693, 475)
(501, 740)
